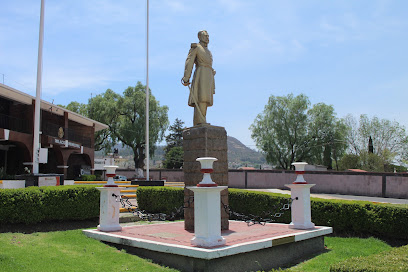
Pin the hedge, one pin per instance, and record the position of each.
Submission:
(43, 204)
(345, 216)
(394, 260)
(159, 199)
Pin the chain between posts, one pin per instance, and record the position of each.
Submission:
(266, 217)
(178, 213)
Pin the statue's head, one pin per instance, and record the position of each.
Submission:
(203, 36)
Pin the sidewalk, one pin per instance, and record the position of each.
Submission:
(344, 197)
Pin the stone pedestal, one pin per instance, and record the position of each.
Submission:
(205, 141)
(109, 209)
(207, 219)
(301, 212)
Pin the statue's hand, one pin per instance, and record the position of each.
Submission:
(185, 81)
(214, 72)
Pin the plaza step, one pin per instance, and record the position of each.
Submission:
(174, 184)
(128, 191)
(130, 195)
(101, 182)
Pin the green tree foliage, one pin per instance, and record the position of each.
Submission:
(174, 149)
(77, 107)
(349, 161)
(327, 134)
(125, 116)
(174, 158)
(390, 140)
(288, 130)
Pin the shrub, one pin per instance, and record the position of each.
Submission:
(157, 199)
(394, 260)
(361, 218)
(41, 204)
(257, 203)
(88, 177)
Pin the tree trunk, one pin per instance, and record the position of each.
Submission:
(138, 158)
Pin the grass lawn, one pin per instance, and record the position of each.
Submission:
(340, 249)
(65, 251)
(73, 251)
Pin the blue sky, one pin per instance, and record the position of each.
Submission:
(349, 54)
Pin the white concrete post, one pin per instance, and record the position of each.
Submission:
(207, 208)
(207, 216)
(109, 209)
(300, 192)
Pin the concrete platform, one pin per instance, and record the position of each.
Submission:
(248, 248)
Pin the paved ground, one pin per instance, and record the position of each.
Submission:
(239, 232)
(346, 197)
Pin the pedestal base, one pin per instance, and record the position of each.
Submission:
(205, 141)
(109, 209)
(301, 212)
(208, 241)
(302, 226)
(207, 219)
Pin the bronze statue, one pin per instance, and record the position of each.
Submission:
(202, 86)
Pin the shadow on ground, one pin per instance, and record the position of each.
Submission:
(49, 226)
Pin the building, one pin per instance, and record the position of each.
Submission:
(67, 138)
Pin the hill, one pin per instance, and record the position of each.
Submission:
(238, 155)
(241, 155)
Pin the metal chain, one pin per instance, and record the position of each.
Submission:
(178, 213)
(266, 217)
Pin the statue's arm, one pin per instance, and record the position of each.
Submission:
(189, 64)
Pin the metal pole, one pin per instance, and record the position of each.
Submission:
(37, 111)
(147, 92)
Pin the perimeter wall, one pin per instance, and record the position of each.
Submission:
(393, 185)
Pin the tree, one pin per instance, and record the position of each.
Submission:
(125, 116)
(129, 126)
(174, 149)
(327, 134)
(173, 159)
(288, 131)
(77, 108)
(390, 141)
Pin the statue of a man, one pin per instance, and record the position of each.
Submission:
(202, 86)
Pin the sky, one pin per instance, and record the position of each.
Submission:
(348, 54)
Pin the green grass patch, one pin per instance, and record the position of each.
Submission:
(66, 251)
(340, 249)
(394, 260)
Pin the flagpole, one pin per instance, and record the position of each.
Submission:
(37, 110)
(147, 92)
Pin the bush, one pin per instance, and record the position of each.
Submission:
(157, 199)
(394, 260)
(257, 203)
(42, 204)
(361, 218)
(88, 177)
